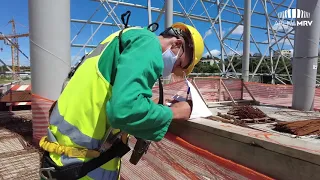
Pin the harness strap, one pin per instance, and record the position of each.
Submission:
(118, 148)
(79, 170)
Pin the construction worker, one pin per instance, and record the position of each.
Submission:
(111, 91)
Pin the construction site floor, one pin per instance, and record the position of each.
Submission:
(171, 158)
(248, 150)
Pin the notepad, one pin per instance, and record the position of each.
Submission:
(199, 108)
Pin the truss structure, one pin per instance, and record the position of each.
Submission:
(219, 21)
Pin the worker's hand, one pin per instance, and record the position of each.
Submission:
(181, 110)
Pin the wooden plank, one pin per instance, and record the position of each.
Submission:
(225, 87)
(196, 87)
(219, 90)
(244, 85)
(241, 88)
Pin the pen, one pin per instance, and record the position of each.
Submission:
(188, 92)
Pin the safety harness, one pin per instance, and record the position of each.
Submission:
(75, 171)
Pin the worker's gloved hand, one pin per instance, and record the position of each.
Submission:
(181, 110)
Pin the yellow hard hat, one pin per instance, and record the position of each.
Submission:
(197, 45)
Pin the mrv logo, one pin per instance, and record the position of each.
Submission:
(296, 16)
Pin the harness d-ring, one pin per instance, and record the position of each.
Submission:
(153, 27)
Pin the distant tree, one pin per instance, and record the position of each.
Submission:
(205, 68)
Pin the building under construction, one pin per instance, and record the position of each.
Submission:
(256, 130)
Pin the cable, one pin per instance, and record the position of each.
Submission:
(48, 52)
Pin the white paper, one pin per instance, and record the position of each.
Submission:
(199, 108)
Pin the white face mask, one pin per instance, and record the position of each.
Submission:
(169, 58)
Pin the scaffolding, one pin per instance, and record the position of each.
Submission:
(216, 15)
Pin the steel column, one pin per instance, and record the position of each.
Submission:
(169, 13)
(246, 40)
(49, 46)
(305, 59)
(149, 12)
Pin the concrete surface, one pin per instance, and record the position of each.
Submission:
(275, 155)
(279, 113)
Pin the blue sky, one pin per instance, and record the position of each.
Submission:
(83, 9)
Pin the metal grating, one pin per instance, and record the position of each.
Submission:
(22, 164)
(11, 143)
(18, 160)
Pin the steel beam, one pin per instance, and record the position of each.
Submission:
(95, 22)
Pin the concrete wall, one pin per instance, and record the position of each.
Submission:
(272, 155)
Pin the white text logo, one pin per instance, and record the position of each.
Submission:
(295, 15)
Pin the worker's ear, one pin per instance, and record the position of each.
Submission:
(178, 71)
(177, 43)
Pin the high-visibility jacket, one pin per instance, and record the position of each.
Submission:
(111, 90)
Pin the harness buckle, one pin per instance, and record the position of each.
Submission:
(48, 171)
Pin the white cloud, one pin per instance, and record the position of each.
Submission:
(214, 52)
(238, 30)
(239, 52)
(282, 27)
(208, 33)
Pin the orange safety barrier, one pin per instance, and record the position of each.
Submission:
(17, 95)
(215, 89)
(242, 170)
(280, 95)
(40, 116)
(173, 158)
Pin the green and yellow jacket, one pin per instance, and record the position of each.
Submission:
(111, 90)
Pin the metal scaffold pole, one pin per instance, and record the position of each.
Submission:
(169, 13)
(306, 45)
(149, 12)
(49, 23)
(246, 40)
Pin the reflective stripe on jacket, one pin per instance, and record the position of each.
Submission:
(110, 89)
(81, 121)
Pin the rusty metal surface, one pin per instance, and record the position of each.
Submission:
(246, 112)
(300, 128)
